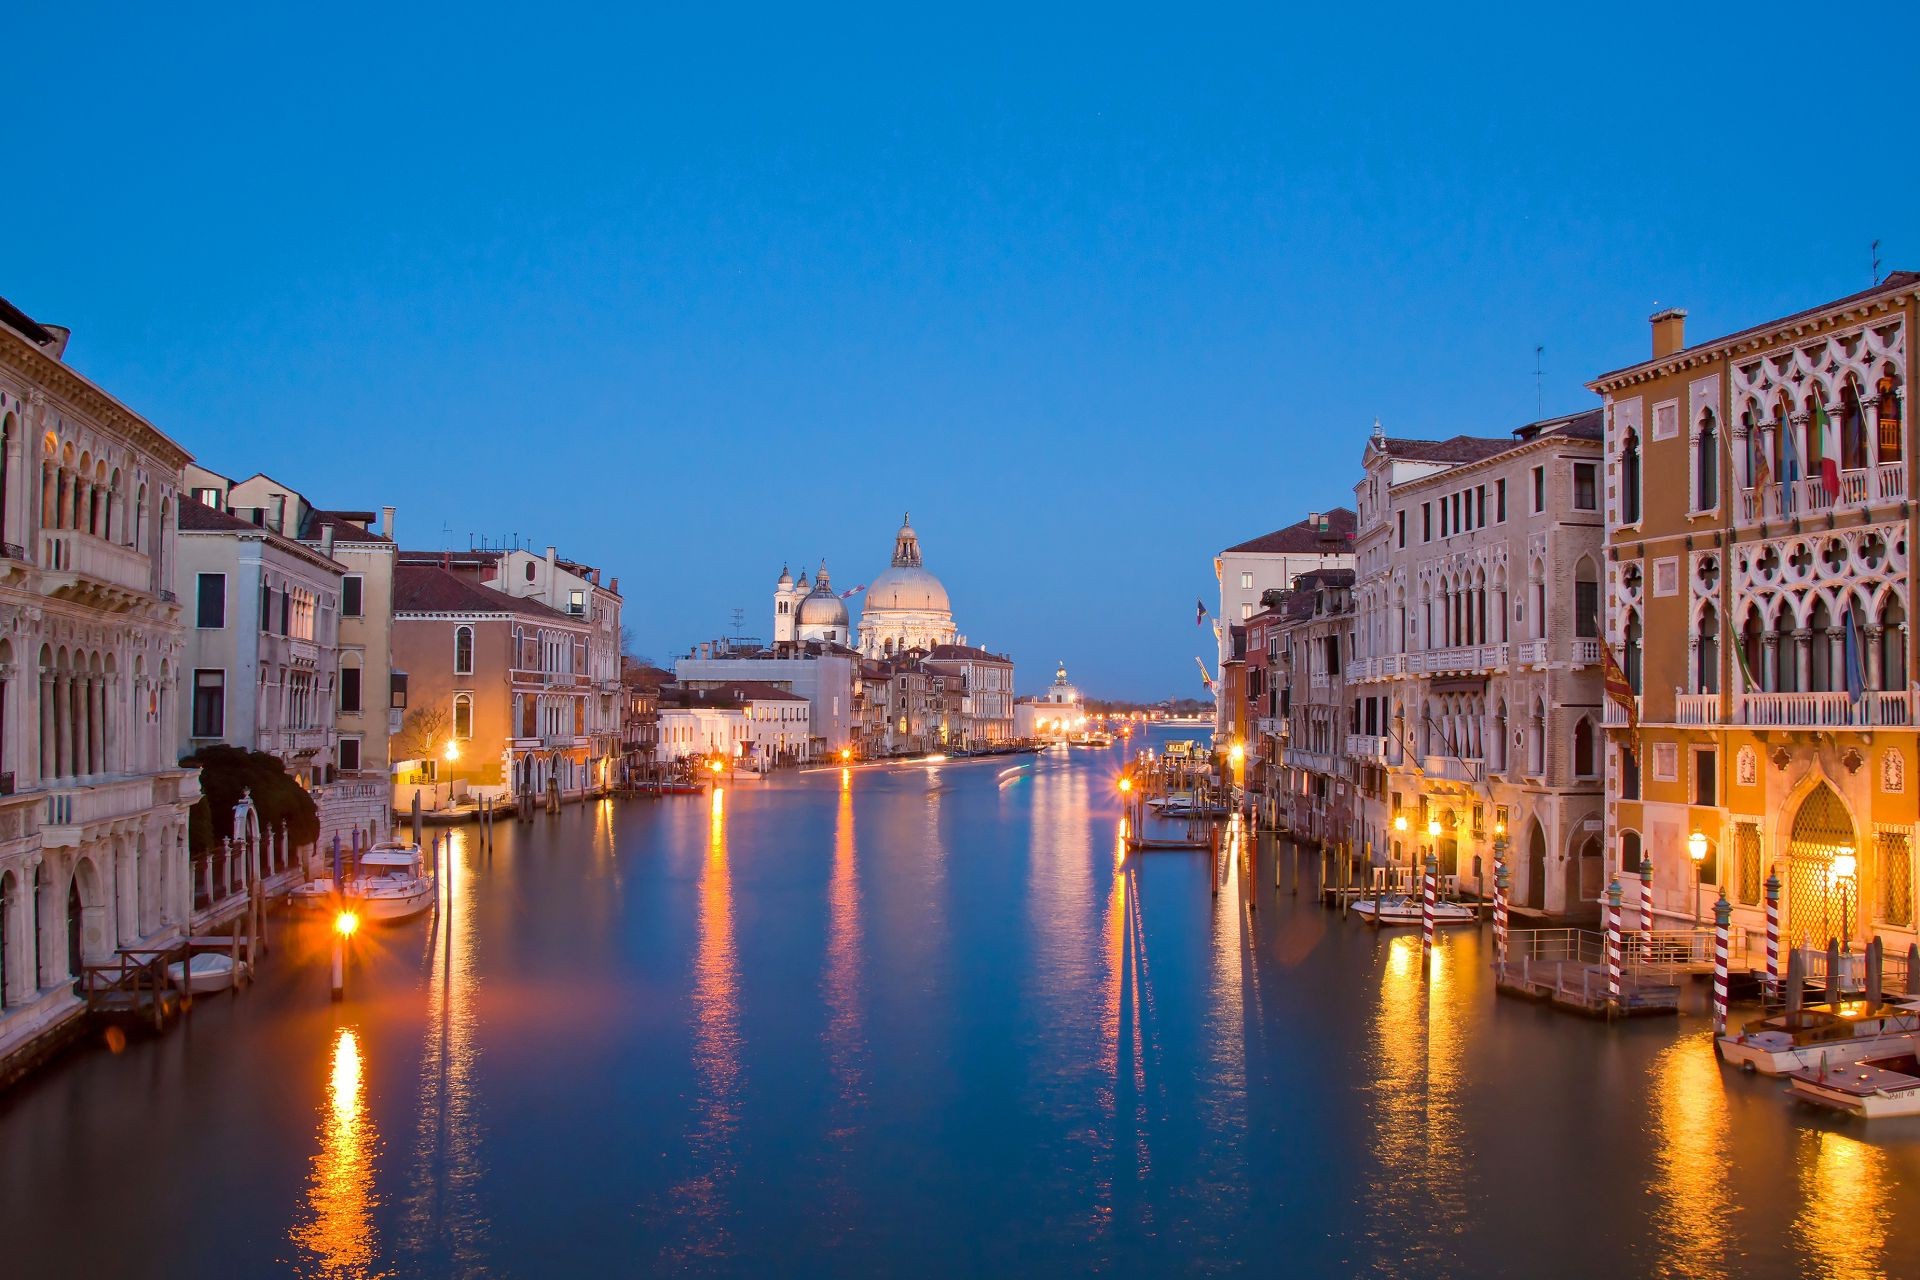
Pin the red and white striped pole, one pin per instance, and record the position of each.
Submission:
(1428, 888)
(1722, 915)
(1773, 936)
(1613, 946)
(1500, 913)
(1646, 905)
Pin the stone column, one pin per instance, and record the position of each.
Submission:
(62, 725)
(1876, 678)
(1803, 658)
(1770, 662)
(97, 722)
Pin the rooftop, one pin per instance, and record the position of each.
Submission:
(1305, 538)
(424, 588)
(1454, 449)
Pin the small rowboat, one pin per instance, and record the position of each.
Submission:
(206, 973)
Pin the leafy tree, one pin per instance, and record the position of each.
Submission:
(226, 773)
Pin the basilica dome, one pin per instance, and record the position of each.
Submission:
(906, 587)
(822, 608)
(906, 607)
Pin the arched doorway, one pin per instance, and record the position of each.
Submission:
(7, 883)
(1817, 907)
(74, 912)
(1536, 867)
(43, 917)
(1584, 873)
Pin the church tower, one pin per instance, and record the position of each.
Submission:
(785, 600)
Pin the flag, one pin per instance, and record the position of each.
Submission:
(1206, 677)
(1740, 656)
(1829, 453)
(1200, 612)
(1762, 481)
(1618, 687)
(1856, 672)
(850, 592)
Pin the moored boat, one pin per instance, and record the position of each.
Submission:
(1838, 1033)
(392, 884)
(315, 895)
(207, 972)
(1401, 909)
(1886, 1083)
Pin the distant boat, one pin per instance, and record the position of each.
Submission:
(206, 973)
(1402, 909)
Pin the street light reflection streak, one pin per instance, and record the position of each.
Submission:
(443, 1215)
(1692, 1160)
(716, 1052)
(1225, 1104)
(1844, 1219)
(845, 1033)
(338, 1234)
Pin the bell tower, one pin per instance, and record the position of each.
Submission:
(786, 599)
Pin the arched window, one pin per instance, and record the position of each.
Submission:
(1823, 671)
(1586, 599)
(1631, 658)
(1752, 652)
(1853, 430)
(1706, 675)
(1630, 851)
(529, 571)
(1887, 389)
(1893, 643)
(1583, 748)
(463, 651)
(1630, 479)
(1707, 464)
(463, 715)
(1785, 653)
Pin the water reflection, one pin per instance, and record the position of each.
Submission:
(338, 1234)
(443, 1216)
(1418, 1201)
(1844, 1215)
(1692, 1160)
(845, 1041)
(701, 1197)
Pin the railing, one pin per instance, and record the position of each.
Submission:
(12, 551)
(1614, 716)
(1859, 486)
(1823, 710)
(1696, 708)
(1676, 948)
(1368, 746)
(73, 804)
(69, 551)
(1530, 653)
(1451, 769)
(303, 653)
(1311, 761)
(1852, 973)
(1319, 680)
(1586, 651)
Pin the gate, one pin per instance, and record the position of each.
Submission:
(1821, 829)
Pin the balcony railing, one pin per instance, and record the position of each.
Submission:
(1311, 761)
(1319, 680)
(1696, 708)
(71, 805)
(1823, 710)
(1586, 651)
(85, 556)
(1374, 748)
(1858, 487)
(1451, 769)
(1615, 716)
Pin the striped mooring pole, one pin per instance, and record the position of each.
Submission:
(1429, 888)
(1613, 944)
(1773, 936)
(1646, 904)
(1722, 916)
(1500, 913)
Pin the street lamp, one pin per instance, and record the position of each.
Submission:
(344, 926)
(1433, 838)
(1843, 869)
(1697, 850)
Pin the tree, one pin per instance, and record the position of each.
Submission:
(630, 648)
(422, 733)
(227, 773)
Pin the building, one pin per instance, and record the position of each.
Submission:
(701, 725)
(906, 607)
(371, 693)
(821, 674)
(1317, 778)
(262, 653)
(809, 615)
(1758, 579)
(985, 683)
(640, 727)
(774, 730)
(93, 808)
(1247, 571)
(1267, 703)
(1475, 671)
(1057, 714)
(498, 690)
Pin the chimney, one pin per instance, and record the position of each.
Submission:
(1313, 519)
(552, 555)
(1669, 331)
(386, 523)
(615, 588)
(326, 539)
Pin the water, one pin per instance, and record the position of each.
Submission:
(925, 1022)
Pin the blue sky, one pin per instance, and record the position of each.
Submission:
(694, 292)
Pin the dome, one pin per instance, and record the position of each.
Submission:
(822, 609)
(906, 587)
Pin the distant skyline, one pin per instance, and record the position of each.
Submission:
(691, 294)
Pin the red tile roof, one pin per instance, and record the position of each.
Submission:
(344, 529)
(1303, 538)
(197, 517)
(1456, 449)
(420, 588)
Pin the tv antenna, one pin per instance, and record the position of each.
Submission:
(739, 616)
(1876, 261)
(1539, 395)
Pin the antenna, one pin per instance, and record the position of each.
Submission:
(1539, 395)
(446, 532)
(739, 616)
(1876, 262)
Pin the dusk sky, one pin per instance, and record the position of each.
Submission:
(696, 292)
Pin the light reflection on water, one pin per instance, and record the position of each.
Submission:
(1691, 1187)
(1845, 1215)
(338, 1234)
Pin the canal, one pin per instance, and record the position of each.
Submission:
(923, 1022)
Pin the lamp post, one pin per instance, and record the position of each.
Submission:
(1843, 869)
(1433, 842)
(1400, 828)
(344, 926)
(1697, 850)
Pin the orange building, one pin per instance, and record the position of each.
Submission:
(497, 687)
(1758, 543)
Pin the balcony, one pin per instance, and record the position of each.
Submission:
(1458, 660)
(1614, 716)
(1319, 680)
(78, 565)
(1823, 710)
(71, 806)
(1451, 769)
(1859, 487)
(1370, 748)
(303, 653)
(1586, 652)
(1696, 708)
(1530, 653)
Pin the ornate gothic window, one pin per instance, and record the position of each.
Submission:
(1707, 464)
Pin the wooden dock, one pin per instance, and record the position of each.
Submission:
(1580, 987)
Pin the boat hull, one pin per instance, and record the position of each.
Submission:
(390, 908)
(1765, 1055)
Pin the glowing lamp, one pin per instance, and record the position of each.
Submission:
(451, 751)
(1400, 822)
(714, 765)
(1433, 828)
(1126, 785)
(1697, 846)
(1843, 863)
(346, 923)
(1236, 753)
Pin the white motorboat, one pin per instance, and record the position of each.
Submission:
(206, 973)
(1885, 1083)
(1837, 1034)
(1402, 909)
(391, 883)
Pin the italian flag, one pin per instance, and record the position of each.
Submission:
(1829, 452)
